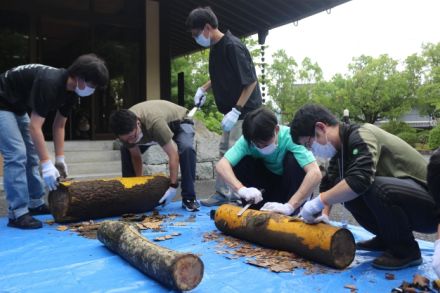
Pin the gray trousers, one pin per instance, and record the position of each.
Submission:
(227, 140)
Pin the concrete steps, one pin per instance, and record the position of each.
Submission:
(88, 159)
(91, 159)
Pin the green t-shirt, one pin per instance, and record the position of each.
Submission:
(274, 161)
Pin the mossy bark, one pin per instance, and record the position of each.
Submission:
(178, 271)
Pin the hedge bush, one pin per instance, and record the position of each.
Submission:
(423, 136)
(409, 137)
(396, 127)
(212, 120)
(434, 138)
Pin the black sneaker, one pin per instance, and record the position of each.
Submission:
(387, 261)
(41, 210)
(191, 205)
(373, 244)
(25, 222)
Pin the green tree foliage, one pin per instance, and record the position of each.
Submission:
(196, 73)
(434, 138)
(423, 137)
(377, 89)
(333, 95)
(292, 85)
(395, 127)
(428, 92)
(373, 88)
(409, 137)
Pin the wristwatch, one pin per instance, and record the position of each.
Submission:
(239, 108)
(174, 185)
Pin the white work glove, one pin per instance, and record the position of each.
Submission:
(230, 119)
(50, 175)
(199, 97)
(322, 218)
(280, 208)
(168, 196)
(250, 194)
(310, 209)
(61, 165)
(436, 258)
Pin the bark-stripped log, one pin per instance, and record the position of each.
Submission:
(322, 243)
(84, 200)
(178, 271)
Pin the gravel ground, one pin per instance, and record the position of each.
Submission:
(206, 187)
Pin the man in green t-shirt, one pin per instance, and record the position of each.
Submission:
(266, 158)
(163, 123)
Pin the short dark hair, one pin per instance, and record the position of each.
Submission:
(259, 125)
(199, 17)
(122, 121)
(303, 123)
(91, 68)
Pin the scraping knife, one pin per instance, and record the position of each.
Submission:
(243, 209)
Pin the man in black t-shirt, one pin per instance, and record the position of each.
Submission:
(233, 81)
(39, 89)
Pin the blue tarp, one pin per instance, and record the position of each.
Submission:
(47, 260)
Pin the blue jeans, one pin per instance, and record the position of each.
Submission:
(21, 177)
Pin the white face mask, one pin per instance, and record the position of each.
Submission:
(324, 151)
(202, 40)
(267, 150)
(87, 91)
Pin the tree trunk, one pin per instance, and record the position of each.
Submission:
(84, 200)
(322, 243)
(178, 271)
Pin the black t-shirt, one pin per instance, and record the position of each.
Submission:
(36, 87)
(231, 69)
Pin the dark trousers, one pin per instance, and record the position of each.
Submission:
(392, 208)
(277, 188)
(184, 138)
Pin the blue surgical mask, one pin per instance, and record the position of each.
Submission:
(202, 40)
(324, 151)
(268, 150)
(86, 91)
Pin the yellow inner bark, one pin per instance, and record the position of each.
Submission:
(128, 182)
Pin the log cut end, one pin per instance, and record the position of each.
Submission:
(187, 272)
(343, 248)
(59, 202)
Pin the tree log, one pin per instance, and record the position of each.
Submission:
(84, 200)
(178, 271)
(322, 243)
